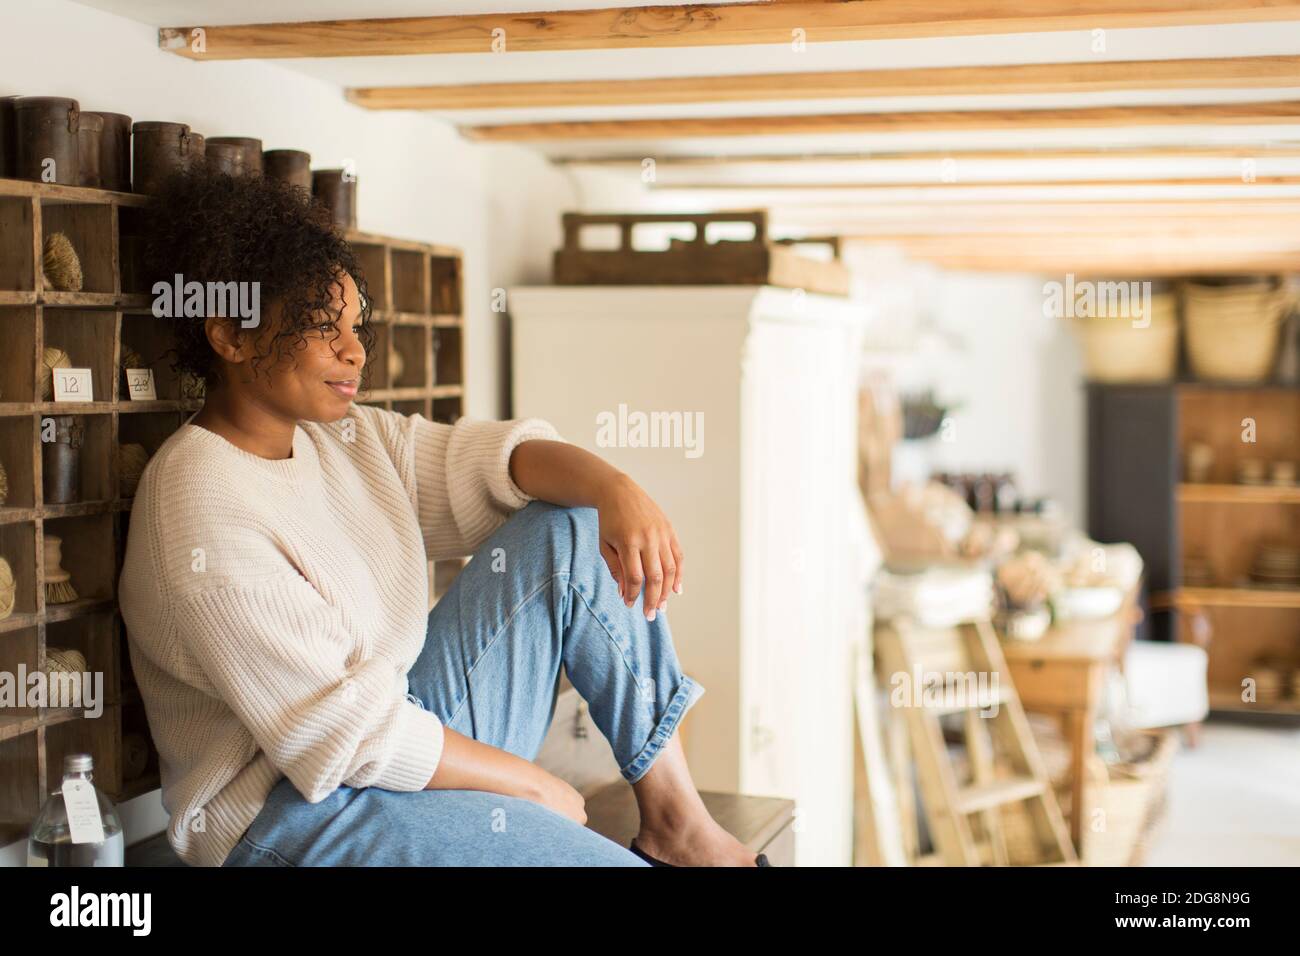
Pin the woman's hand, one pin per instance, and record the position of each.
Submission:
(636, 540)
(638, 543)
(469, 764)
(555, 794)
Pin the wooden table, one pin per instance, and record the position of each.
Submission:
(1063, 674)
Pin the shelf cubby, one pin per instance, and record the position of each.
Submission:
(20, 649)
(17, 442)
(449, 362)
(412, 343)
(374, 262)
(91, 227)
(446, 410)
(410, 281)
(20, 790)
(445, 280)
(95, 636)
(18, 244)
(130, 244)
(18, 376)
(18, 547)
(88, 336)
(95, 470)
(88, 553)
(152, 339)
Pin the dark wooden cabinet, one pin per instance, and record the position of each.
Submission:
(1133, 469)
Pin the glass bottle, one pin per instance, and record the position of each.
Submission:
(51, 841)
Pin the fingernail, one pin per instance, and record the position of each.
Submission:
(651, 615)
(663, 605)
(677, 588)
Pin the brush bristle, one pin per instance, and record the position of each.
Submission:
(61, 264)
(60, 592)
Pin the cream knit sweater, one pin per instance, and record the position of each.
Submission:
(273, 607)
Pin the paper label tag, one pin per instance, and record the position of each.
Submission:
(73, 385)
(84, 822)
(139, 383)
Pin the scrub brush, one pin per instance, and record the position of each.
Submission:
(58, 582)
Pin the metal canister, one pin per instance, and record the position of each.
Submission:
(249, 162)
(46, 131)
(293, 166)
(337, 189)
(90, 133)
(161, 148)
(114, 151)
(8, 138)
(228, 158)
(196, 150)
(61, 460)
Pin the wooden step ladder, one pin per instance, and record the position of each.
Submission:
(1005, 766)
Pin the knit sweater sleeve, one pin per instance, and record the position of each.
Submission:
(277, 655)
(461, 474)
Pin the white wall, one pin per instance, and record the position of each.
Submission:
(1021, 381)
(417, 179)
(981, 340)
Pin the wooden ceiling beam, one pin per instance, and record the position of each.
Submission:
(1006, 183)
(1115, 255)
(1283, 226)
(1026, 155)
(1257, 72)
(702, 24)
(939, 121)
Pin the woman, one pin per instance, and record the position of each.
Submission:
(307, 708)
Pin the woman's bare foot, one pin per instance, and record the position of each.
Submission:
(675, 825)
(699, 844)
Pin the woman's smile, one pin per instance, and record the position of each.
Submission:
(345, 387)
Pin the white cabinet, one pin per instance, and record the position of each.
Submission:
(764, 498)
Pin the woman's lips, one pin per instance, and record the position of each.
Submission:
(345, 388)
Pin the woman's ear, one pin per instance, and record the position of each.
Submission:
(226, 339)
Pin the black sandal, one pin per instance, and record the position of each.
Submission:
(760, 860)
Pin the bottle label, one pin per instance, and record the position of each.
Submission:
(84, 822)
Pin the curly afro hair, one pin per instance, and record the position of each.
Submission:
(210, 226)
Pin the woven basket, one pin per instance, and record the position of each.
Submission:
(1233, 332)
(1115, 351)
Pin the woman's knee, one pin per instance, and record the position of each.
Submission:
(566, 530)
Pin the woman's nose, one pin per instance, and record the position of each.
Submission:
(352, 350)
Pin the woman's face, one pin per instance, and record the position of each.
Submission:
(317, 378)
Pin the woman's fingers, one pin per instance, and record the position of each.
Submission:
(632, 575)
(654, 579)
(669, 565)
(614, 564)
(678, 563)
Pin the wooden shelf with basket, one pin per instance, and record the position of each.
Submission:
(418, 366)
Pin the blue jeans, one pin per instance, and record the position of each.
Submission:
(536, 595)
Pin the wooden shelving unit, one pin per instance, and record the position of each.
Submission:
(417, 307)
(1138, 438)
(1225, 524)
